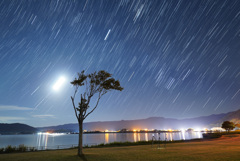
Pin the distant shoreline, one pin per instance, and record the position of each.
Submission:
(102, 132)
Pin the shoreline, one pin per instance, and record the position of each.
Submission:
(225, 148)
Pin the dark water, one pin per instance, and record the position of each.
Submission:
(57, 141)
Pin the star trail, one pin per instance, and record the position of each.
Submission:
(174, 58)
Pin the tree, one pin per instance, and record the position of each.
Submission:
(237, 125)
(97, 84)
(228, 125)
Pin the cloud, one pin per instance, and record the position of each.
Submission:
(43, 116)
(7, 119)
(7, 108)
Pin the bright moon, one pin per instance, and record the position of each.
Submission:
(59, 83)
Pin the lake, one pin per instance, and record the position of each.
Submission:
(44, 141)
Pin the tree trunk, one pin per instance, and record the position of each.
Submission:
(80, 138)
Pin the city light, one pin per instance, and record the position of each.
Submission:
(51, 134)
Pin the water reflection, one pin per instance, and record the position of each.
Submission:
(183, 135)
(46, 140)
(43, 141)
(146, 136)
(170, 137)
(199, 134)
(106, 138)
(139, 138)
(135, 137)
(166, 136)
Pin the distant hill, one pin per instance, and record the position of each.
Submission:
(152, 123)
(61, 128)
(149, 123)
(231, 116)
(16, 128)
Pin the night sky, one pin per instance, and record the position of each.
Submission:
(174, 58)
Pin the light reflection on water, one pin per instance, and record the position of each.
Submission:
(183, 135)
(135, 137)
(146, 136)
(50, 141)
(42, 139)
(106, 138)
(139, 139)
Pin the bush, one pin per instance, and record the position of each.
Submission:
(211, 135)
(32, 149)
(13, 149)
(101, 145)
(1, 150)
(86, 146)
(22, 148)
(10, 149)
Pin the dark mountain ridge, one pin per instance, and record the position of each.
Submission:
(153, 123)
(16, 128)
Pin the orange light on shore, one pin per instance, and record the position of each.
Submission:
(205, 129)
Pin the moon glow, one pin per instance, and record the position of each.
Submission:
(59, 83)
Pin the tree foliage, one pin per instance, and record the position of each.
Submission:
(97, 83)
(228, 125)
(237, 125)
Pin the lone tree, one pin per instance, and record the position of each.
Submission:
(96, 84)
(237, 125)
(228, 125)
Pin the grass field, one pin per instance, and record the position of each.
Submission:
(225, 148)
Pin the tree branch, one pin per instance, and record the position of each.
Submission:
(99, 96)
(72, 98)
(76, 89)
(86, 84)
(74, 107)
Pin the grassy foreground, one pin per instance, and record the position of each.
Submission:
(225, 148)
